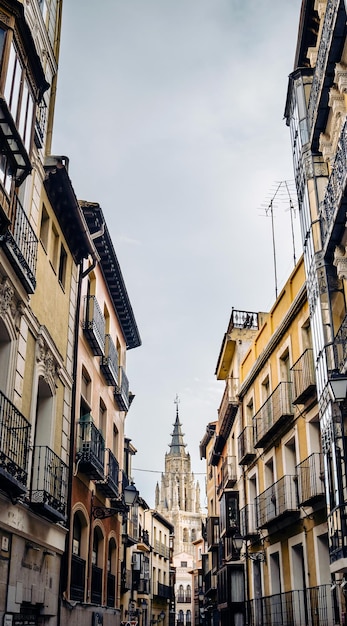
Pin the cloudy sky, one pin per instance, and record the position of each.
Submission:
(171, 112)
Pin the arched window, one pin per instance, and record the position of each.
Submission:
(180, 620)
(188, 594)
(193, 534)
(111, 573)
(185, 534)
(188, 618)
(180, 597)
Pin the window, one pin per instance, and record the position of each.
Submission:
(55, 247)
(62, 266)
(2, 41)
(184, 564)
(49, 14)
(44, 227)
(18, 95)
(77, 534)
(85, 393)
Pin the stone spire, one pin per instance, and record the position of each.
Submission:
(177, 445)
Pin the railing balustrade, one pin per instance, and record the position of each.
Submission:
(109, 362)
(90, 448)
(96, 595)
(277, 500)
(277, 406)
(49, 481)
(94, 325)
(122, 390)
(310, 478)
(111, 590)
(14, 445)
(78, 573)
(304, 380)
(246, 449)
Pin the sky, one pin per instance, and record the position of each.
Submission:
(171, 114)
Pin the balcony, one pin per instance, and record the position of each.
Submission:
(109, 362)
(315, 606)
(126, 580)
(246, 449)
(12, 144)
(310, 475)
(228, 475)
(144, 544)
(162, 591)
(276, 413)
(94, 325)
(228, 408)
(340, 347)
(20, 243)
(304, 380)
(213, 533)
(49, 484)
(109, 487)
(210, 581)
(248, 521)
(14, 448)
(332, 208)
(328, 55)
(278, 502)
(161, 549)
(121, 393)
(90, 449)
(78, 574)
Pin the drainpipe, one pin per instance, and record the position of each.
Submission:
(64, 564)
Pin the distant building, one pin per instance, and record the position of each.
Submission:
(178, 500)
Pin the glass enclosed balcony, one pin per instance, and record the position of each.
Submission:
(14, 448)
(228, 475)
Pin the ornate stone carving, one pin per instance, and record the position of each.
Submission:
(45, 356)
(341, 77)
(6, 295)
(340, 262)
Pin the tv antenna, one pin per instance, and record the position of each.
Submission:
(284, 191)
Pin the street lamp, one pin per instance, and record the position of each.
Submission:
(337, 386)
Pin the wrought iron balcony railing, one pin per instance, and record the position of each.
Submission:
(90, 449)
(334, 192)
(109, 362)
(310, 475)
(228, 474)
(49, 484)
(243, 319)
(322, 58)
(94, 325)
(340, 346)
(122, 390)
(314, 606)
(78, 574)
(246, 449)
(161, 549)
(109, 486)
(228, 407)
(248, 521)
(275, 412)
(162, 591)
(20, 246)
(304, 380)
(14, 447)
(278, 501)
